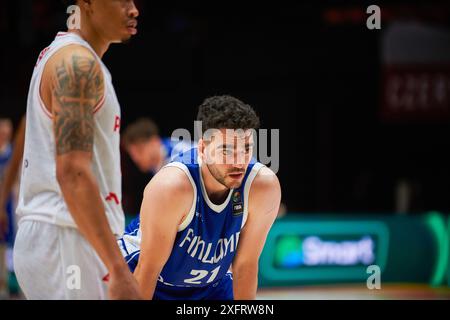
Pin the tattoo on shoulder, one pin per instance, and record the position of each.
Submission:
(78, 87)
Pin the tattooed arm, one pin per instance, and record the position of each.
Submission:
(73, 85)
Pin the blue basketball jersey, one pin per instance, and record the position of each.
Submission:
(207, 239)
(172, 149)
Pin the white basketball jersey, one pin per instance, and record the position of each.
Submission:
(40, 196)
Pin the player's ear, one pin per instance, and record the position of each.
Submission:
(201, 148)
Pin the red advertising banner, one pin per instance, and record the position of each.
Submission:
(415, 73)
(416, 92)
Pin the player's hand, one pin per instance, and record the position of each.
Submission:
(3, 224)
(123, 286)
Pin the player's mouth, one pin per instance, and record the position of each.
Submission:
(236, 175)
(132, 27)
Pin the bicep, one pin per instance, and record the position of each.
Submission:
(158, 230)
(76, 87)
(160, 217)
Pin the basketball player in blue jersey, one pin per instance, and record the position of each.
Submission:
(206, 214)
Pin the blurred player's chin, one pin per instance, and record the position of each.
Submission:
(126, 39)
(234, 186)
(233, 183)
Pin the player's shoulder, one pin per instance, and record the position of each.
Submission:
(265, 193)
(74, 55)
(172, 180)
(265, 180)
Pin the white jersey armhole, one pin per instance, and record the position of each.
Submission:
(42, 65)
(188, 218)
(247, 187)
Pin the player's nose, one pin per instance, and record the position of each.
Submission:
(133, 12)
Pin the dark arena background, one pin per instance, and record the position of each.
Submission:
(363, 115)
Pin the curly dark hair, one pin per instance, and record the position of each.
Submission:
(140, 130)
(227, 112)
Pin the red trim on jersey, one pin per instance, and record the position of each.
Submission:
(62, 34)
(113, 197)
(100, 104)
(42, 55)
(44, 108)
(106, 278)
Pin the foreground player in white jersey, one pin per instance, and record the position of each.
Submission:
(70, 195)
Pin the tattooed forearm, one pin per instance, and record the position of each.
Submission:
(78, 87)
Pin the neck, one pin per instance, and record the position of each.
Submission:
(99, 44)
(216, 191)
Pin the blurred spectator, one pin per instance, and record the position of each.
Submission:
(6, 208)
(146, 153)
(7, 221)
(147, 149)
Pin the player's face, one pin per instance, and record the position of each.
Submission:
(145, 154)
(227, 155)
(115, 20)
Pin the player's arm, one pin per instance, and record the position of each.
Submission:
(11, 175)
(74, 82)
(264, 202)
(167, 199)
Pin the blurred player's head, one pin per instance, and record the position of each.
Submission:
(142, 142)
(5, 131)
(226, 146)
(111, 20)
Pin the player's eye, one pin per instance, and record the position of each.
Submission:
(226, 152)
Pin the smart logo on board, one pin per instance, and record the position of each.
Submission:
(295, 251)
